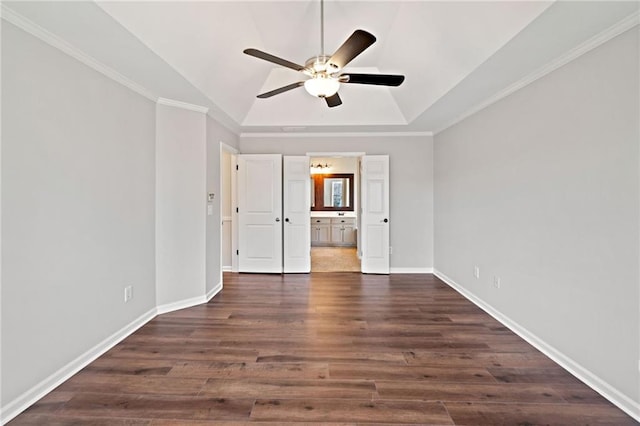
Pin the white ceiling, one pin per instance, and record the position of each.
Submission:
(454, 54)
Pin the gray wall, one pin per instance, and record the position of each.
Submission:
(411, 184)
(542, 190)
(77, 209)
(180, 204)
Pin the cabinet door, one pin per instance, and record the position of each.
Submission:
(336, 234)
(349, 235)
(324, 234)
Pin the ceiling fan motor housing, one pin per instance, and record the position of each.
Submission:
(319, 64)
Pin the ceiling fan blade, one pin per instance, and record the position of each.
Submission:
(281, 90)
(268, 57)
(333, 101)
(355, 45)
(378, 79)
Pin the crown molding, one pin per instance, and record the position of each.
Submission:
(183, 105)
(595, 41)
(332, 134)
(34, 29)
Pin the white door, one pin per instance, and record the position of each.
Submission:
(259, 180)
(375, 214)
(297, 214)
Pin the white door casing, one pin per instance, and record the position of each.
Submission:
(259, 180)
(375, 214)
(297, 214)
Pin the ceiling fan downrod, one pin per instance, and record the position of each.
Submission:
(321, 27)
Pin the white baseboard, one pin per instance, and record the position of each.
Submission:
(215, 290)
(227, 269)
(21, 403)
(616, 397)
(411, 270)
(187, 303)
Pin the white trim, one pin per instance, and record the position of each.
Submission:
(215, 290)
(36, 30)
(227, 218)
(21, 403)
(181, 304)
(595, 41)
(616, 397)
(227, 269)
(411, 270)
(335, 154)
(228, 148)
(330, 134)
(183, 105)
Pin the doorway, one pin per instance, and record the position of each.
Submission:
(228, 219)
(334, 213)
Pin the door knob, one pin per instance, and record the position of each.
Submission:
(277, 219)
(286, 219)
(385, 220)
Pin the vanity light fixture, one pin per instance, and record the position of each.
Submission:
(320, 168)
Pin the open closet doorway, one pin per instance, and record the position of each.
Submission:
(335, 198)
(228, 218)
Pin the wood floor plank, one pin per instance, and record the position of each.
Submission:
(86, 381)
(407, 412)
(232, 423)
(339, 348)
(578, 394)
(156, 406)
(533, 375)
(53, 420)
(377, 372)
(478, 359)
(144, 367)
(478, 414)
(427, 390)
(184, 352)
(262, 370)
(330, 356)
(289, 389)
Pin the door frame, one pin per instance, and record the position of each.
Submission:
(358, 155)
(234, 219)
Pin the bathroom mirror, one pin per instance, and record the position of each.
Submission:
(332, 192)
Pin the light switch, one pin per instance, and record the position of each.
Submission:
(209, 210)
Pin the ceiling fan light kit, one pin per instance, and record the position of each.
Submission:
(324, 71)
(322, 86)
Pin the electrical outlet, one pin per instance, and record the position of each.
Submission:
(476, 272)
(496, 282)
(128, 293)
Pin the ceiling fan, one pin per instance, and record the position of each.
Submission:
(325, 71)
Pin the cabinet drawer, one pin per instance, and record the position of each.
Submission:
(350, 221)
(320, 220)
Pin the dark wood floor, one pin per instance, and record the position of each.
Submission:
(340, 348)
